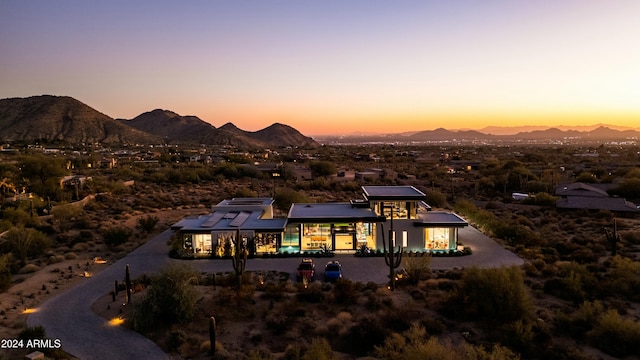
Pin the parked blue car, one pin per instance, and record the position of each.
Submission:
(332, 271)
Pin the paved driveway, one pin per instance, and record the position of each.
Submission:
(68, 316)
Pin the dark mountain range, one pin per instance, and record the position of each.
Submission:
(64, 119)
(170, 125)
(175, 128)
(601, 133)
(441, 134)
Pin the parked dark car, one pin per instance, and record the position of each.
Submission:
(306, 270)
(332, 271)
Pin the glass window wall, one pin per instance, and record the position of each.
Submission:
(438, 238)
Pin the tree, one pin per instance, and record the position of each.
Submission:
(64, 215)
(42, 174)
(286, 196)
(322, 168)
(25, 242)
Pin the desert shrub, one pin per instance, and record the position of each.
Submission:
(28, 269)
(70, 255)
(17, 217)
(311, 294)
(632, 237)
(415, 344)
(436, 198)
(80, 247)
(482, 218)
(26, 242)
(541, 199)
(53, 259)
(526, 337)
(5, 271)
(277, 321)
(516, 234)
(170, 299)
(416, 267)
(628, 188)
(345, 291)
(578, 323)
(361, 338)
(175, 340)
(623, 279)
(146, 224)
(319, 349)
(294, 351)
(65, 215)
(245, 192)
(616, 335)
(496, 295)
(116, 235)
(574, 283)
(32, 332)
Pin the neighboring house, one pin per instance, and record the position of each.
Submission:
(73, 181)
(342, 227)
(584, 196)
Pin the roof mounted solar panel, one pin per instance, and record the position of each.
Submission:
(240, 219)
(213, 219)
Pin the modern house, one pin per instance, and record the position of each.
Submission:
(309, 227)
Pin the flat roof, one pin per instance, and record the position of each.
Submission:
(440, 219)
(331, 212)
(393, 193)
(229, 221)
(246, 201)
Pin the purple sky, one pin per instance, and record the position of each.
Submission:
(332, 66)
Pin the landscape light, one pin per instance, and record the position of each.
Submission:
(116, 321)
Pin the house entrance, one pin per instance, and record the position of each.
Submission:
(344, 236)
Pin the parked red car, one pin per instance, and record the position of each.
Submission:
(306, 270)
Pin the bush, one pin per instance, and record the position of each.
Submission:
(28, 269)
(319, 349)
(416, 267)
(574, 283)
(5, 271)
(615, 335)
(495, 295)
(146, 224)
(415, 344)
(117, 235)
(170, 299)
(623, 279)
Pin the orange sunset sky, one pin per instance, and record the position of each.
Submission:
(333, 67)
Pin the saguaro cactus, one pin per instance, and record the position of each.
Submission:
(212, 335)
(393, 260)
(239, 258)
(613, 237)
(127, 281)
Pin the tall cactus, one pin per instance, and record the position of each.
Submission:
(212, 336)
(127, 280)
(393, 260)
(613, 237)
(239, 258)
